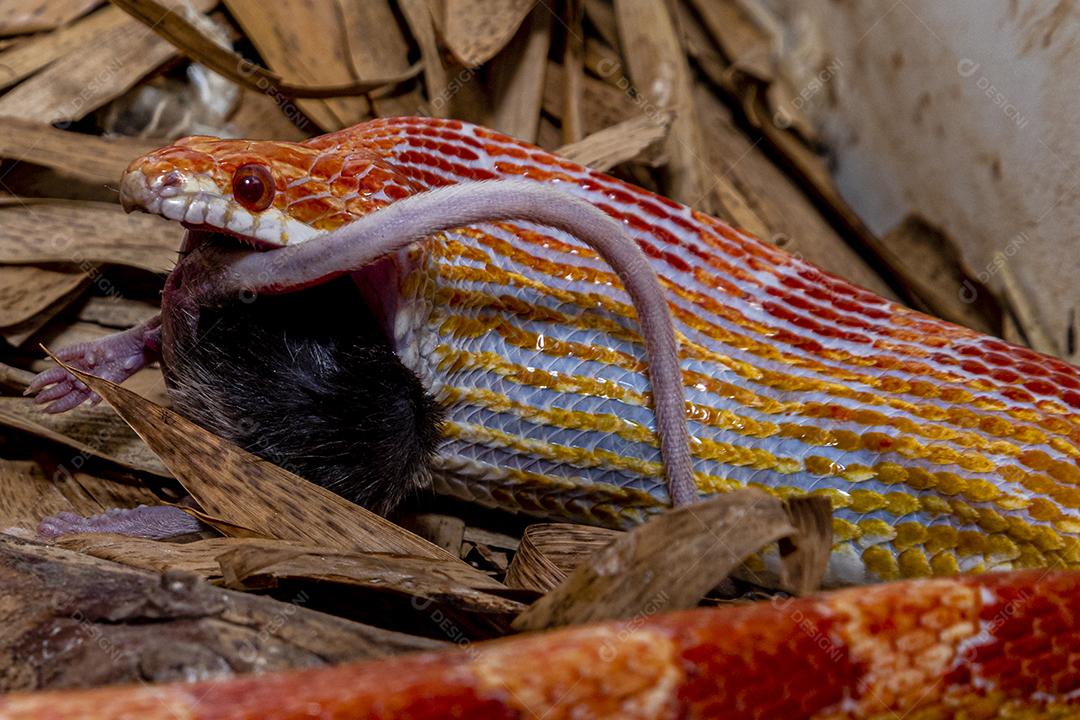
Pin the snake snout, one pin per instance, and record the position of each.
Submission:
(137, 189)
(132, 191)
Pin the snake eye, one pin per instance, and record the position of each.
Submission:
(253, 186)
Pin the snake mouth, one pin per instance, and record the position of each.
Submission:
(376, 284)
(198, 234)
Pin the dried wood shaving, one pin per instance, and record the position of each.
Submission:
(198, 558)
(573, 62)
(790, 219)
(484, 536)
(940, 277)
(91, 494)
(256, 564)
(91, 431)
(27, 16)
(422, 27)
(116, 312)
(673, 560)
(1025, 315)
(101, 70)
(744, 44)
(263, 116)
(638, 139)
(602, 19)
(446, 531)
(27, 495)
(378, 45)
(31, 296)
(30, 492)
(602, 104)
(83, 232)
(63, 333)
(14, 378)
(304, 44)
(87, 157)
(518, 78)
(661, 76)
(196, 44)
(27, 57)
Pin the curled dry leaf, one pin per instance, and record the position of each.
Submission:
(551, 551)
(476, 30)
(671, 561)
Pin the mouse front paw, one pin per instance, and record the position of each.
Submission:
(114, 358)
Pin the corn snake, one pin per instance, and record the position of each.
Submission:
(942, 450)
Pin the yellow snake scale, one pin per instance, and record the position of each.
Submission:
(942, 450)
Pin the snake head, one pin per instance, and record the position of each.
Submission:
(265, 193)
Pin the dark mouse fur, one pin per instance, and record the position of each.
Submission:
(309, 382)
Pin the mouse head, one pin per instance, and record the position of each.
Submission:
(266, 193)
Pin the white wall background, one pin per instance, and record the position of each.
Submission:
(964, 111)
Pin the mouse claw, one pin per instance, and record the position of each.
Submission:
(44, 379)
(114, 358)
(68, 401)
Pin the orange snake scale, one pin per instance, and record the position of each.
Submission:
(997, 645)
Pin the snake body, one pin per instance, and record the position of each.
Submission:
(942, 450)
(999, 645)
